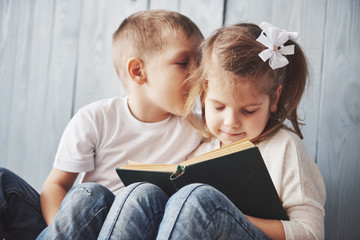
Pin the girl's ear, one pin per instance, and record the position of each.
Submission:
(135, 69)
(275, 101)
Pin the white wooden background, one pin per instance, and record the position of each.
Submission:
(55, 56)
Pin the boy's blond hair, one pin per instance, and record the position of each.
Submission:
(144, 33)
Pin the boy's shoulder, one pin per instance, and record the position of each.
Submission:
(108, 103)
(102, 110)
(103, 106)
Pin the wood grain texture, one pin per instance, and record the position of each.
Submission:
(208, 15)
(26, 54)
(339, 135)
(55, 56)
(96, 77)
(42, 84)
(173, 5)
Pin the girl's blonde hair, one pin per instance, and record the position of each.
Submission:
(233, 50)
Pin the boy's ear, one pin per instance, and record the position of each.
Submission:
(135, 69)
(275, 101)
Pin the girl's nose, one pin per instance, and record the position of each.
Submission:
(232, 120)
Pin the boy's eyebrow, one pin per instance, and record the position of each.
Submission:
(182, 53)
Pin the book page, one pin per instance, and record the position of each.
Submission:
(228, 149)
(151, 167)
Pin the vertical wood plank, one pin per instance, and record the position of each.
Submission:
(61, 77)
(172, 5)
(25, 62)
(15, 58)
(8, 49)
(307, 18)
(49, 47)
(96, 77)
(208, 15)
(43, 51)
(339, 135)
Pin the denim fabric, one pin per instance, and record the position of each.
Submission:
(198, 211)
(81, 214)
(136, 213)
(20, 212)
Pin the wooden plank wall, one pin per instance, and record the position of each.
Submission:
(55, 56)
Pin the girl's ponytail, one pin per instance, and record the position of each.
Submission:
(293, 82)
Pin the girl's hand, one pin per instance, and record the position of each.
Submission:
(272, 228)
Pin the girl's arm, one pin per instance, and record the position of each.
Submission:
(272, 228)
(57, 184)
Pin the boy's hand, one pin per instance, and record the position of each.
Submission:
(57, 184)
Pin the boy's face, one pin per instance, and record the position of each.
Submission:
(235, 113)
(166, 72)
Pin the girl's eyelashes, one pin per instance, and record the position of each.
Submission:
(218, 106)
(248, 112)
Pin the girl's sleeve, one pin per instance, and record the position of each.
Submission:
(303, 194)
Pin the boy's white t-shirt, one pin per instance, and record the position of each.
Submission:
(104, 135)
(297, 180)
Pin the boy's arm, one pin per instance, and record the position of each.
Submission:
(272, 228)
(57, 184)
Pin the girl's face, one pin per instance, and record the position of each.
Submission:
(235, 113)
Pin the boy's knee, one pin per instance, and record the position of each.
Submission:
(6, 172)
(91, 189)
(89, 193)
(7, 176)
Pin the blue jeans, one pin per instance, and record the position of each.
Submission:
(20, 212)
(196, 211)
(136, 213)
(81, 214)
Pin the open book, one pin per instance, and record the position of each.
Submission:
(237, 170)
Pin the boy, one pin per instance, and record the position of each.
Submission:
(153, 53)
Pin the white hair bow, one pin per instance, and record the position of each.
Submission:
(274, 38)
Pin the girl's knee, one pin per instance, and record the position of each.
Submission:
(196, 190)
(145, 190)
(196, 194)
(141, 194)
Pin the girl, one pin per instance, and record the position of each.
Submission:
(247, 88)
